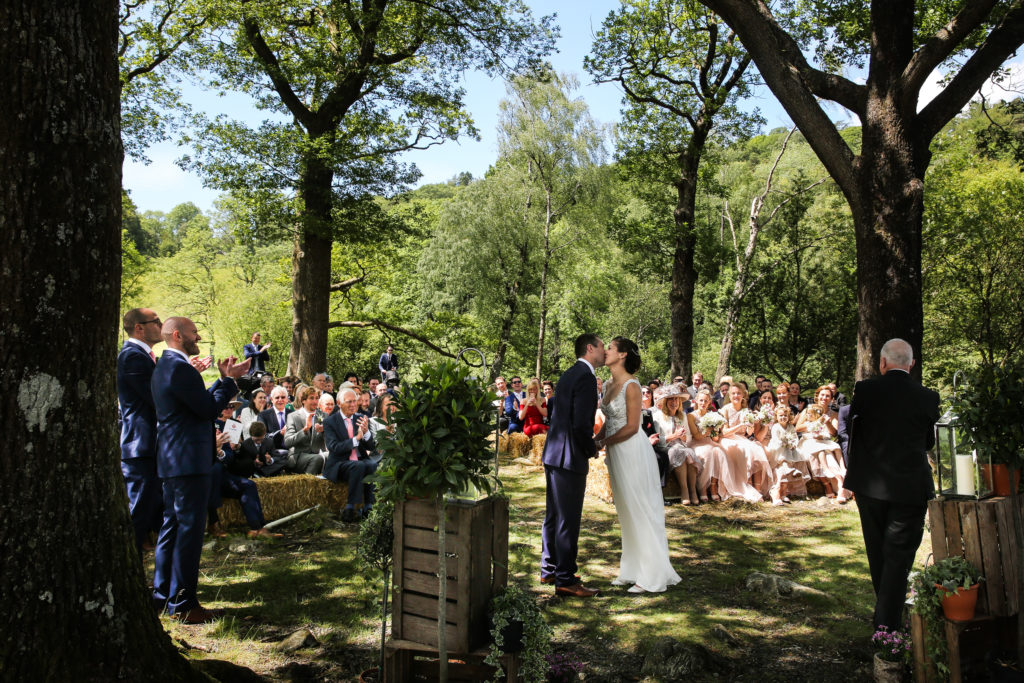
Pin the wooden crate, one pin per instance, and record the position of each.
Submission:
(408, 661)
(982, 532)
(477, 546)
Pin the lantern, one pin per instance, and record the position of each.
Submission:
(959, 472)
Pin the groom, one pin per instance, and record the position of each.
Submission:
(570, 443)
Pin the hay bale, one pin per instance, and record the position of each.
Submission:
(519, 445)
(537, 449)
(503, 444)
(286, 495)
(671, 490)
(599, 484)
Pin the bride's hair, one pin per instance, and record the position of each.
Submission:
(632, 361)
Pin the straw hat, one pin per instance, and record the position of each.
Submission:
(667, 391)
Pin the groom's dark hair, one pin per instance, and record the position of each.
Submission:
(583, 341)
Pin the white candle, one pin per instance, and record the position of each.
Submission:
(964, 475)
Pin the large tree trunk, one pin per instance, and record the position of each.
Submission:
(311, 272)
(74, 593)
(684, 273)
(542, 326)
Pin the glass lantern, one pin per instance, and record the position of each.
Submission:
(959, 473)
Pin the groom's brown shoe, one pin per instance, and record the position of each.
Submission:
(551, 578)
(577, 590)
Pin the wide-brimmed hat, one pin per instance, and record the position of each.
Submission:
(667, 391)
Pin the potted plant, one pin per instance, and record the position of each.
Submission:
(440, 448)
(892, 652)
(375, 548)
(989, 408)
(518, 625)
(932, 587)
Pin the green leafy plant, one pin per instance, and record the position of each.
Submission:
(439, 448)
(988, 409)
(929, 587)
(891, 645)
(375, 549)
(515, 605)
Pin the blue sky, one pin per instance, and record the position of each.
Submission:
(161, 185)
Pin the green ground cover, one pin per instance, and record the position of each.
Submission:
(312, 579)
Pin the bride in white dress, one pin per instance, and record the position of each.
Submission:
(633, 470)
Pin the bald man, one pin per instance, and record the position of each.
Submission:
(185, 411)
(891, 427)
(135, 365)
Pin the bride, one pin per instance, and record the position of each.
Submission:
(633, 470)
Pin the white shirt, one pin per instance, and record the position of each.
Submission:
(143, 345)
(180, 353)
(584, 360)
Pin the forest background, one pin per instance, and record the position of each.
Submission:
(570, 230)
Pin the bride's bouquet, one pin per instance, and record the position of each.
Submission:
(815, 429)
(711, 424)
(749, 417)
(790, 439)
(766, 415)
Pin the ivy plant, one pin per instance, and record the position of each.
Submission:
(952, 574)
(515, 605)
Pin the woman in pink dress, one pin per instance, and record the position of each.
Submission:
(736, 444)
(533, 409)
(707, 450)
(817, 425)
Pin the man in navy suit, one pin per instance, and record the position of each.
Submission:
(276, 419)
(348, 440)
(388, 361)
(260, 355)
(135, 366)
(185, 412)
(569, 446)
(891, 428)
(515, 396)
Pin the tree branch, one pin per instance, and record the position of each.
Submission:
(381, 325)
(272, 67)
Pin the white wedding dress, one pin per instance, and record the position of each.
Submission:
(636, 487)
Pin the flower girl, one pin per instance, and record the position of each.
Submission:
(792, 470)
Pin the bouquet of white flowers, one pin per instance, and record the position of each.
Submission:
(749, 417)
(766, 415)
(790, 439)
(815, 429)
(711, 423)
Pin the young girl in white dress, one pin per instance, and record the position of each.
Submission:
(633, 470)
(792, 470)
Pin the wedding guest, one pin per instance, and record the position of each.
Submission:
(736, 444)
(381, 425)
(304, 435)
(792, 470)
(260, 355)
(817, 427)
(532, 410)
(231, 485)
(349, 444)
(782, 398)
(674, 431)
(698, 379)
(251, 412)
(795, 399)
(512, 401)
(721, 396)
(765, 411)
(707, 445)
(548, 388)
(326, 404)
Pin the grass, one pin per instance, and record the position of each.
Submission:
(312, 579)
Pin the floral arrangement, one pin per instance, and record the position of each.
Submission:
(815, 429)
(892, 646)
(749, 417)
(766, 415)
(711, 423)
(790, 439)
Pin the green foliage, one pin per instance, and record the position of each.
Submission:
(951, 575)
(988, 409)
(515, 605)
(441, 441)
(133, 268)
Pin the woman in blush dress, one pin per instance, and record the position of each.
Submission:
(644, 562)
(736, 444)
(675, 433)
(709, 452)
(817, 425)
(532, 410)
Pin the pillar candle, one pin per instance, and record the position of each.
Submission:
(964, 475)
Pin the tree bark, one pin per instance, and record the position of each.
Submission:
(544, 284)
(311, 271)
(77, 604)
(684, 273)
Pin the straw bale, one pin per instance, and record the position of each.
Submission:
(598, 483)
(537, 449)
(519, 444)
(285, 495)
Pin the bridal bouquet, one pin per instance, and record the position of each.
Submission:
(766, 415)
(749, 417)
(815, 429)
(790, 439)
(711, 423)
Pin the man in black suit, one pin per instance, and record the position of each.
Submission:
(891, 426)
(569, 446)
(388, 361)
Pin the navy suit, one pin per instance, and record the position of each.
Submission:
(138, 440)
(511, 411)
(891, 428)
(259, 360)
(185, 412)
(569, 446)
(340, 441)
(843, 433)
(274, 431)
(386, 363)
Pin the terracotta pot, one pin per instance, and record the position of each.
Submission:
(887, 672)
(370, 676)
(959, 606)
(997, 478)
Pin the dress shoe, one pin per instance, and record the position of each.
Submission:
(348, 515)
(196, 615)
(263, 533)
(577, 590)
(550, 578)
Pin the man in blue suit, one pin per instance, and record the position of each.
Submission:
(135, 366)
(185, 412)
(349, 443)
(259, 355)
(569, 446)
(388, 361)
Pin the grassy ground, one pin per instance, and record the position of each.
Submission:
(312, 579)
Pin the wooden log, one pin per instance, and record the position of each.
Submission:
(972, 545)
(1009, 553)
(954, 536)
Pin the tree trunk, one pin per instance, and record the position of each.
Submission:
(684, 273)
(311, 272)
(511, 309)
(77, 605)
(544, 285)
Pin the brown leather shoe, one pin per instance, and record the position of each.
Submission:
(263, 533)
(550, 579)
(577, 590)
(196, 615)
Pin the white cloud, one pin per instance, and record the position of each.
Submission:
(1011, 87)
